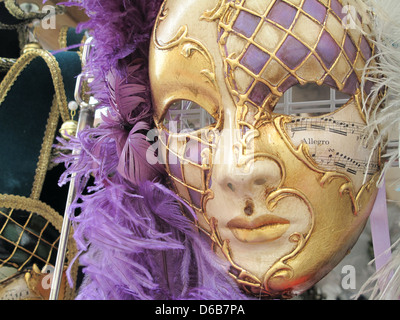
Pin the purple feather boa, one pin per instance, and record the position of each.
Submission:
(134, 241)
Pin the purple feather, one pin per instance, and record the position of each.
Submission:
(134, 241)
(129, 95)
(133, 164)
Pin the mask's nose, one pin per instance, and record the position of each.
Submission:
(244, 173)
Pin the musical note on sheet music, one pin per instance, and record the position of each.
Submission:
(327, 124)
(332, 145)
(342, 161)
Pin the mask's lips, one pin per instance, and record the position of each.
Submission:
(262, 229)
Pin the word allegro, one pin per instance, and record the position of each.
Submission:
(218, 309)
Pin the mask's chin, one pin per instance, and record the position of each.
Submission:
(257, 241)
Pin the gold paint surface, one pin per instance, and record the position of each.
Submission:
(318, 212)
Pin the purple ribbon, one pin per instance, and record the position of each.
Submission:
(380, 230)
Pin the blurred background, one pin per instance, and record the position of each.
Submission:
(330, 288)
(49, 37)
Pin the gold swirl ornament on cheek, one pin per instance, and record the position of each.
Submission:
(339, 216)
(281, 271)
(267, 227)
(261, 230)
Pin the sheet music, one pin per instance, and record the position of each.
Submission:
(335, 145)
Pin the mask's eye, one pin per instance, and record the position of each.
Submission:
(311, 100)
(185, 115)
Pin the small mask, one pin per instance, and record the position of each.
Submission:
(283, 198)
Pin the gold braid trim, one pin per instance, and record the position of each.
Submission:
(52, 216)
(62, 38)
(55, 71)
(6, 63)
(12, 27)
(22, 203)
(59, 107)
(45, 152)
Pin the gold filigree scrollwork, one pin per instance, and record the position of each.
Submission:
(188, 47)
(281, 269)
(216, 13)
(244, 148)
(326, 178)
(247, 281)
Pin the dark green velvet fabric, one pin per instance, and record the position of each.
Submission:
(74, 38)
(9, 47)
(70, 66)
(23, 120)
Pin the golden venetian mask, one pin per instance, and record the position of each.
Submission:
(282, 197)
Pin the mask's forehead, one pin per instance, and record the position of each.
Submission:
(264, 47)
(190, 14)
(272, 45)
(178, 13)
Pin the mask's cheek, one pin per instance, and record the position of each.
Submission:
(336, 143)
(187, 161)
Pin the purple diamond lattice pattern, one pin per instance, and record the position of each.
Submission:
(285, 52)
